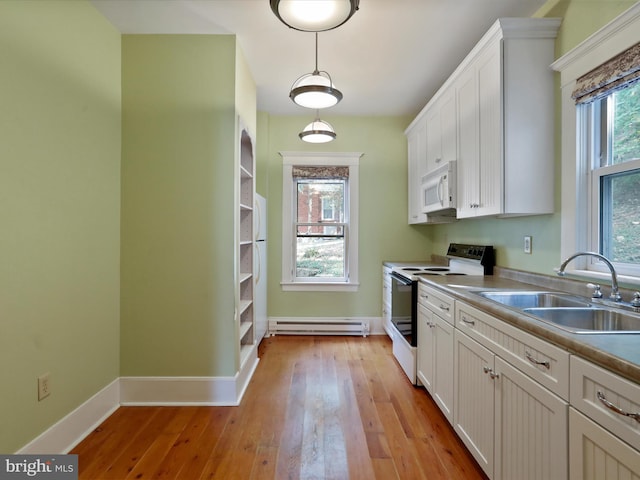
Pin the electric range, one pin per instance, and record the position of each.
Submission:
(463, 260)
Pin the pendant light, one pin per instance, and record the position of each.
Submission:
(314, 15)
(317, 131)
(315, 90)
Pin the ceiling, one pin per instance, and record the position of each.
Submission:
(388, 59)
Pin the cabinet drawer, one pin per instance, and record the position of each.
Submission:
(437, 302)
(542, 361)
(592, 387)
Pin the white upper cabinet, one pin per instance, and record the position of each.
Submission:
(417, 165)
(506, 111)
(495, 116)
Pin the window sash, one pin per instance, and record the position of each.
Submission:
(344, 236)
(601, 209)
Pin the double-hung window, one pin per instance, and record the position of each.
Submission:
(320, 221)
(615, 176)
(601, 150)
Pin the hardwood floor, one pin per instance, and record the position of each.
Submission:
(317, 408)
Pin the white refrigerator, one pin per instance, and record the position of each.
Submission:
(260, 267)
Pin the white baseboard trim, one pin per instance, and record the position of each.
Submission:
(71, 429)
(212, 391)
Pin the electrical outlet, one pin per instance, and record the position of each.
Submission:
(44, 386)
(527, 244)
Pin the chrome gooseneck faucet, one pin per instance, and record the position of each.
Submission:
(615, 294)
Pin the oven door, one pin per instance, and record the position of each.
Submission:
(404, 305)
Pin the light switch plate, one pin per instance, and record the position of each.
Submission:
(527, 244)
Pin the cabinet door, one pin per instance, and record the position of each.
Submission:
(443, 371)
(417, 145)
(448, 130)
(474, 399)
(531, 428)
(468, 159)
(434, 144)
(489, 77)
(596, 454)
(425, 348)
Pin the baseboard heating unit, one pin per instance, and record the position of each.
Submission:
(319, 326)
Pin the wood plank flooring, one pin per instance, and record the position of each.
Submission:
(316, 408)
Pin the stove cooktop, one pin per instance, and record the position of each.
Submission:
(463, 260)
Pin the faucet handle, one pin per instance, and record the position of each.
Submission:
(636, 300)
(597, 293)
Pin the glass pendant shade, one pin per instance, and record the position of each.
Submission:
(314, 15)
(315, 90)
(317, 131)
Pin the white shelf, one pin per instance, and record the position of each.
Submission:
(244, 304)
(244, 328)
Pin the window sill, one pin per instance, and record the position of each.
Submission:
(319, 287)
(603, 278)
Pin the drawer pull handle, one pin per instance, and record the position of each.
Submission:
(545, 364)
(444, 307)
(616, 409)
(466, 320)
(424, 295)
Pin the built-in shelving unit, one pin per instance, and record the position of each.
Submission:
(245, 311)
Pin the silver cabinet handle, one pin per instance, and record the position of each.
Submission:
(536, 362)
(424, 295)
(616, 409)
(466, 320)
(491, 373)
(444, 307)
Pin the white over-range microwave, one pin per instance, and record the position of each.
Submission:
(438, 189)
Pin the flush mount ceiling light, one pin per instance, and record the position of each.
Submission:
(317, 131)
(314, 15)
(315, 90)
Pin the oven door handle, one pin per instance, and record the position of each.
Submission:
(401, 279)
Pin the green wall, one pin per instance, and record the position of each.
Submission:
(59, 211)
(178, 123)
(383, 230)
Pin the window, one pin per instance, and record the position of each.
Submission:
(610, 116)
(615, 176)
(320, 221)
(601, 149)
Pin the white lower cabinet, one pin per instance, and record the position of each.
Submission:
(473, 399)
(435, 348)
(604, 439)
(596, 454)
(513, 426)
(512, 402)
(530, 429)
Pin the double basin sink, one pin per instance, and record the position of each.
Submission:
(568, 312)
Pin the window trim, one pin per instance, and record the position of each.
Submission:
(349, 159)
(576, 226)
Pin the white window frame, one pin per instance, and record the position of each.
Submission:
(346, 159)
(577, 188)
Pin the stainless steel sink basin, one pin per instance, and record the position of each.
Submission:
(531, 299)
(588, 320)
